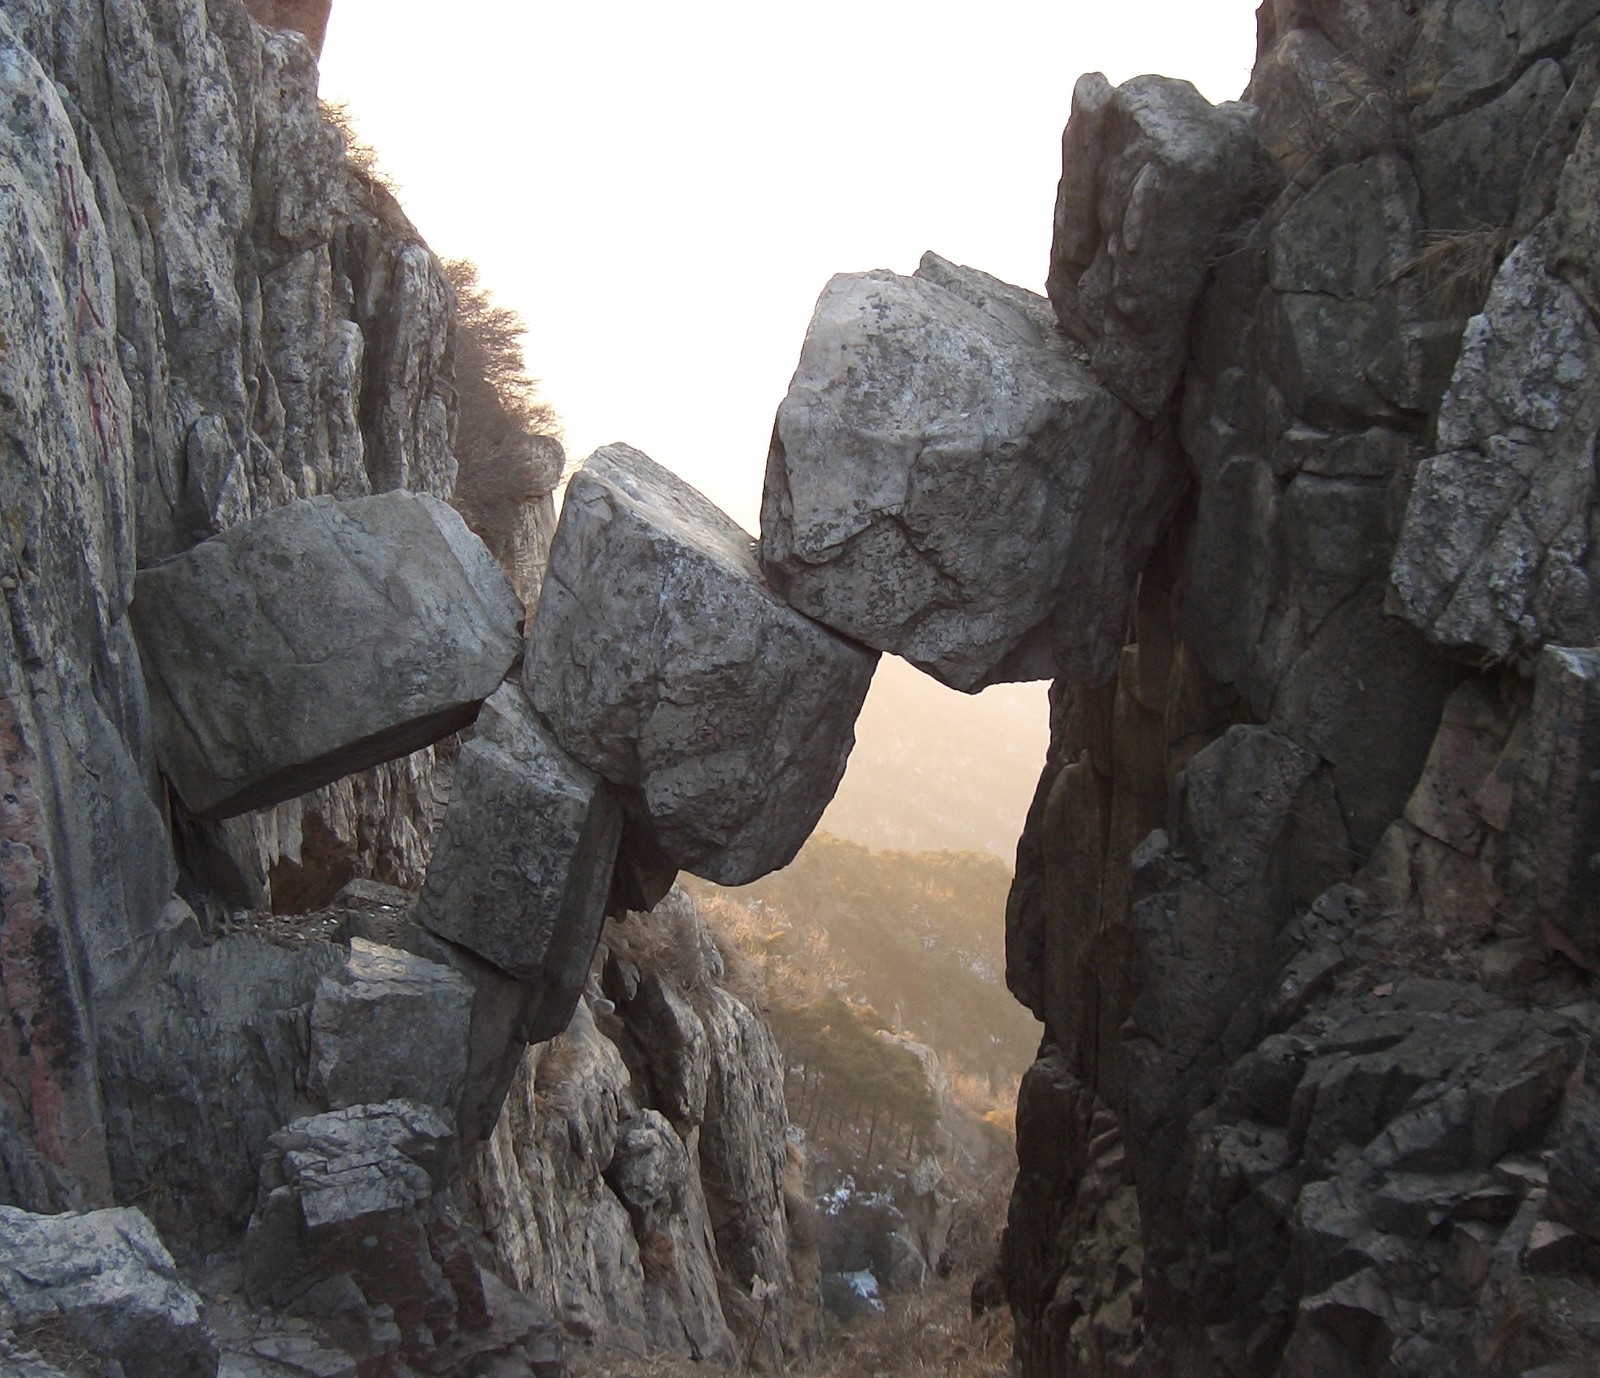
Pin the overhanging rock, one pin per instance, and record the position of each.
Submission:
(317, 640)
(945, 476)
(662, 660)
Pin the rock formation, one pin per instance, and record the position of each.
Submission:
(949, 483)
(663, 661)
(1299, 895)
(1295, 489)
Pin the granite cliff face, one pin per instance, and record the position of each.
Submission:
(1307, 897)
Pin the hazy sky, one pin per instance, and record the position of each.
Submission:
(662, 189)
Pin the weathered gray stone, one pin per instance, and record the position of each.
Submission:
(1493, 549)
(944, 477)
(1462, 162)
(353, 1192)
(1153, 180)
(523, 870)
(1551, 866)
(390, 1026)
(200, 1069)
(317, 640)
(1577, 214)
(1352, 234)
(107, 1279)
(663, 661)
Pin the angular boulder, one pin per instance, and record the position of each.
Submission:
(523, 868)
(1153, 177)
(662, 660)
(107, 1281)
(390, 1025)
(944, 476)
(317, 640)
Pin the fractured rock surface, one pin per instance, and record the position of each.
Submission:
(523, 870)
(944, 476)
(317, 640)
(1153, 178)
(107, 1281)
(663, 661)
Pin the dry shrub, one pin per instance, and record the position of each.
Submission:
(1456, 267)
(1535, 1327)
(930, 1332)
(658, 1257)
(665, 941)
(53, 1341)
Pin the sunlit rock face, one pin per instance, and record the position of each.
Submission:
(318, 639)
(663, 661)
(948, 482)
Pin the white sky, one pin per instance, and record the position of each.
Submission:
(662, 189)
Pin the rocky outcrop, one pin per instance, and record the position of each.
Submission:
(636, 1183)
(1298, 899)
(945, 475)
(101, 1286)
(317, 640)
(663, 661)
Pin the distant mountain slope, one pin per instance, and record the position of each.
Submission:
(934, 770)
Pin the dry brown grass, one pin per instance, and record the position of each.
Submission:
(53, 1341)
(1456, 267)
(930, 1333)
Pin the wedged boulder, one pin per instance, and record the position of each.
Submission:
(390, 1025)
(523, 869)
(944, 476)
(1153, 178)
(352, 1193)
(1551, 858)
(1495, 553)
(107, 1281)
(317, 640)
(662, 660)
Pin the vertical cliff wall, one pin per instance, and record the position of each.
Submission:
(207, 315)
(1307, 897)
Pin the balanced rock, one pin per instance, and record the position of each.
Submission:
(106, 1284)
(663, 661)
(522, 871)
(1153, 177)
(944, 475)
(317, 640)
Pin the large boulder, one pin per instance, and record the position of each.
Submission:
(1153, 179)
(104, 1283)
(662, 660)
(523, 870)
(317, 640)
(944, 475)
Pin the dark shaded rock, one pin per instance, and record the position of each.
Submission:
(390, 1026)
(1552, 857)
(1154, 178)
